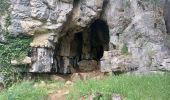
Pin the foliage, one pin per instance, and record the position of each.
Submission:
(131, 87)
(4, 5)
(16, 47)
(124, 50)
(7, 20)
(29, 90)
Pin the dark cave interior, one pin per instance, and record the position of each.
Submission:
(86, 45)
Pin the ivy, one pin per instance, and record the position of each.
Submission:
(15, 48)
(4, 5)
(8, 20)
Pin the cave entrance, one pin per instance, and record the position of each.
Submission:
(99, 34)
(82, 49)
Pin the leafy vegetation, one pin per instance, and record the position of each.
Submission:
(30, 90)
(4, 5)
(7, 21)
(16, 47)
(131, 87)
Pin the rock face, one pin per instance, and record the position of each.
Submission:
(2, 37)
(140, 26)
(67, 32)
(167, 15)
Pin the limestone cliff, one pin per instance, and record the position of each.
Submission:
(117, 35)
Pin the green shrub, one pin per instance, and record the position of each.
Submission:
(15, 48)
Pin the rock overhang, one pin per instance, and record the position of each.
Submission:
(53, 22)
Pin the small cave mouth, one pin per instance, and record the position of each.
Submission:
(99, 37)
(81, 49)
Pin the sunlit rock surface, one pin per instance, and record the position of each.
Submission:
(69, 32)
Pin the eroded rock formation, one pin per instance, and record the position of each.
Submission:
(68, 33)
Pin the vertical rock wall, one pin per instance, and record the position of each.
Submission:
(136, 34)
(167, 15)
(139, 26)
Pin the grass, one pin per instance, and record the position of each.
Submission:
(30, 90)
(131, 87)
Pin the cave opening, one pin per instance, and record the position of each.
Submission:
(99, 34)
(74, 51)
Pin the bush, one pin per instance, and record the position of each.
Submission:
(15, 48)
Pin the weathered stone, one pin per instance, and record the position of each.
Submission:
(87, 75)
(2, 37)
(69, 83)
(139, 25)
(75, 77)
(27, 60)
(14, 62)
(95, 96)
(167, 15)
(42, 60)
(86, 45)
(2, 82)
(165, 65)
(63, 65)
(24, 61)
(114, 61)
(116, 97)
(88, 65)
(58, 78)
